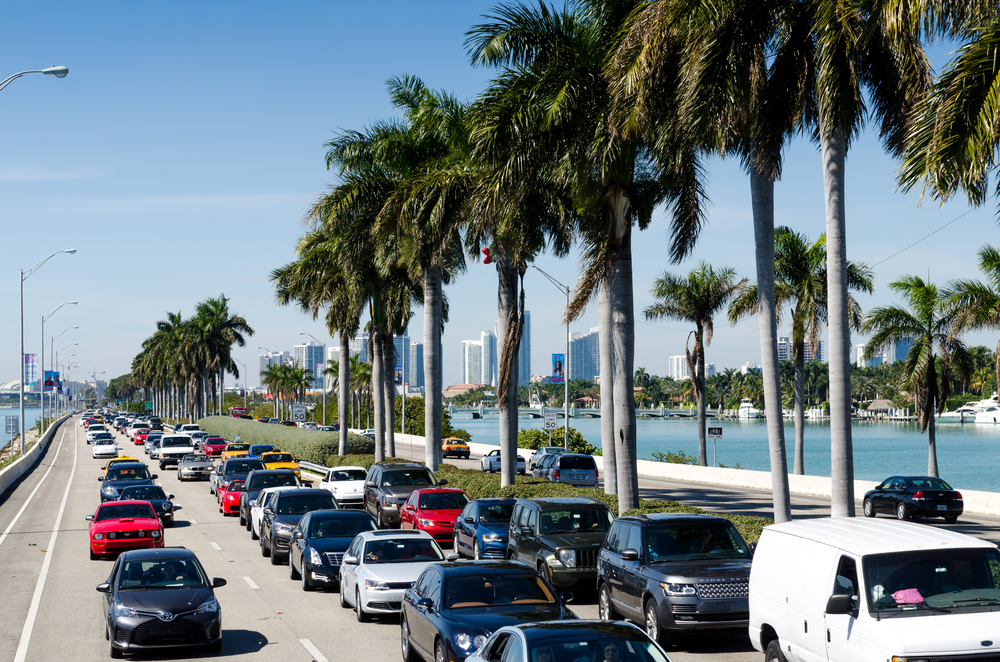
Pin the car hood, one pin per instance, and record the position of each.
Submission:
(330, 544)
(933, 633)
(231, 477)
(503, 528)
(282, 465)
(490, 619)
(397, 572)
(401, 491)
(594, 539)
(174, 600)
(706, 569)
(290, 520)
(450, 514)
(141, 524)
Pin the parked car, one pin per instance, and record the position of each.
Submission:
(256, 450)
(347, 485)
(561, 535)
(213, 445)
(104, 448)
(160, 598)
(284, 511)
(491, 462)
(674, 573)
(228, 470)
(562, 641)
(259, 479)
(848, 589)
(157, 498)
(453, 607)
(434, 510)
(379, 566)
(914, 496)
(388, 485)
(481, 530)
(194, 466)
(571, 468)
(455, 447)
(318, 544)
(122, 475)
(122, 525)
(229, 497)
(540, 453)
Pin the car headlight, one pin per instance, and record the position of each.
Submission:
(98, 536)
(314, 557)
(280, 527)
(678, 590)
(168, 505)
(230, 497)
(209, 606)
(465, 642)
(425, 522)
(156, 534)
(375, 585)
(109, 490)
(124, 611)
(491, 537)
(568, 557)
(112, 535)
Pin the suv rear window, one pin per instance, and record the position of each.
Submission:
(243, 466)
(580, 463)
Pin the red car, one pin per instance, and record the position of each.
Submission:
(213, 445)
(433, 510)
(121, 525)
(229, 497)
(87, 422)
(139, 436)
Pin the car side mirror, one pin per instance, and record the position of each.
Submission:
(153, 476)
(566, 596)
(218, 581)
(104, 587)
(100, 478)
(170, 496)
(630, 555)
(443, 481)
(89, 518)
(253, 503)
(409, 506)
(268, 511)
(840, 604)
(454, 557)
(426, 603)
(470, 520)
(349, 559)
(369, 483)
(526, 531)
(297, 535)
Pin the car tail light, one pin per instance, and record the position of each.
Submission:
(555, 475)
(597, 474)
(958, 495)
(918, 495)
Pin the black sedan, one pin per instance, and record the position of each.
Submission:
(160, 598)
(914, 496)
(319, 542)
(284, 511)
(157, 498)
(453, 607)
(122, 475)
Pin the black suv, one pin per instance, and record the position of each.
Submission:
(283, 513)
(388, 486)
(559, 536)
(260, 479)
(674, 573)
(155, 423)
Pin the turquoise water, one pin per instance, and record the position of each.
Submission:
(31, 414)
(968, 455)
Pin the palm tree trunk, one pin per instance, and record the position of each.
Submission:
(432, 366)
(700, 377)
(378, 382)
(800, 416)
(506, 327)
(932, 464)
(623, 344)
(834, 148)
(343, 387)
(608, 445)
(762, 196)
(389, 391)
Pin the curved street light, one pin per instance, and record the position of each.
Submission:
(42, 363)
(58, 72)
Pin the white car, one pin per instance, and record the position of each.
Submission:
(104, 448)
(379, 566)
(347, 485)
(491, 462)
(309, 425)
(94, 429)
(258, 505)
(197, 437)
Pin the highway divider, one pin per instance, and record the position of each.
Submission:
(12, 472)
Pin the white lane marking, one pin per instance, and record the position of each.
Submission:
(191, 521)
(36, 598)
(251, 583)
(30, 496)
(317, 656)
(215, 546)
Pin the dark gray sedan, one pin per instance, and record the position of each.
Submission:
(194, 466)
(157, 498)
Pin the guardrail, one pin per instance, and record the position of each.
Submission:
(27, 462)
(315, 468)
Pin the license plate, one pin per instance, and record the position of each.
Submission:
(577, 477)
(942, 507)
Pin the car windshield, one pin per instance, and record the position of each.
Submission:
(175, 442)
(328, 527)
(103, 435)
(243, 466)
(443, 501)
(574, 521)
(596, 645)
(257, 450)
(922, 582)
(347, 474)
(127, 473)
(104, 441)
(300, 504)
(278, 457)
(161, 574)
(233, 486)
(142, 493)
(238, 447)
(273, 480)
(929, 484)
(578, 463)
(687, 541)
(214, 440)
(402, 551)
(501, 588)
(407, 477)
(495, 512)
(194, 457)
(112, 510)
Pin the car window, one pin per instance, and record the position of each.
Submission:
(495, 512)
(355, 547)
(684, 541)
(578, 463)
(930, 484)
(339, 475)
(514, 651)
(443, 500)
(127, 473)
(328, 527)
(402, 551)
(523, 519)
(434, 587)
(898, 484)
(273, 480)
(407, 477)
(634, 539)
(495, 588)
(234, 486)
(532, 518)
(279, 457)
(242, 466)
(161, 574)
(300, 504)
(494, 650)
(571, 521)
(143, 492)
(846, 582)
(238, 447)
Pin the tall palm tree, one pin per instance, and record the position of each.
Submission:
(223, 329)
(697, 299)
(928, 322)
(976, 303)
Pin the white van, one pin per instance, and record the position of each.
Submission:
(855, 590)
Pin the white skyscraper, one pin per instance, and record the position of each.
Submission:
(310, 357)
(479, 359)
(583, 360)
(677, 367)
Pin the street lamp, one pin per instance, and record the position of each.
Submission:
(42, 364)
(24, 275)
(303, 333)
(58, 72)
(244, 381)
(57, 365)
(563, 288)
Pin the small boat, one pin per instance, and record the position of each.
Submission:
(747, 409)
(964, 414)
(991, 416)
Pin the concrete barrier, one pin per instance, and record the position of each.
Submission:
(27, 462)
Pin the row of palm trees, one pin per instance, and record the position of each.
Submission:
(182, 365)
(285, 382)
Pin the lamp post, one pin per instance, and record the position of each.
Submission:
(58, 72)
(303, 333)
(24, 275)
(563, 288)
(42, 364)
(70, 366)
(57, 365)
(53, 363)
(274, 396)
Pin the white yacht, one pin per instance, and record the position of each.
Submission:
(964, 414)
(747, 409)
(990, 416)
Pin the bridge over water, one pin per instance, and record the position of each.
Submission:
(585, 412)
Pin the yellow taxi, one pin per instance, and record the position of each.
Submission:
(279, 460)
(116, 460)
(235, 449)
(455, 446)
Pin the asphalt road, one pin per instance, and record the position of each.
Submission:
(51, 611)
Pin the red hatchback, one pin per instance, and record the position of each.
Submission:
(213, 445)
(139, 436)
(121, 525)
(229, 497)
(433, 510)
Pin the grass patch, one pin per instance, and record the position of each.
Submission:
(306, 445)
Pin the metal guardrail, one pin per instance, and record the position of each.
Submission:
(315, 468)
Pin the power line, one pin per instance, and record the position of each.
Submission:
(922, 238)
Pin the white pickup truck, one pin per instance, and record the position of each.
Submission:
(173, 447)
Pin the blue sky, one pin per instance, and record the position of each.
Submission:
(183, 149)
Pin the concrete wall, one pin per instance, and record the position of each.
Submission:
(24, 464)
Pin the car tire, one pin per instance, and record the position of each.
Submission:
(180, 478)
(440, 654)
(605, 610)
(253, 534)
(476, 552)
(379, 520)
(454, 545)
(293, 574)
(211, 490)
(307, 586)
(409, 655)
(773, 652)
(215, 648)
(359, 611)
(344, 604)
(113, 653)
(868, 508)
(168, 523)
(901, 511)
(275, 559)
(265, 551)
(243, 520)
(951, 519)
(652, 622)
(94, 557)
(162, 466)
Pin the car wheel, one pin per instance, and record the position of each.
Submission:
(951, 519)
(439, 653)
(306, 584)
(253, 533)
(476, 554)
(901, 511)
(180, 478)
(869, 508)
(409, 655)
(265, 551)
(94, 557)
(275, 559)
(211, 488)
(344, 604)
(454, 545)
(293, 574)
(605, 610)
(773, 652)
(358, 609)
(653, 622)
(113, 653)
(243, 520)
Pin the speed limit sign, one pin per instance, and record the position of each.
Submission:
(550, 421)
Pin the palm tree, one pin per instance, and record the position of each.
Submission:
(224, 329)
(928, 322)
(976, 303)
(697, 299)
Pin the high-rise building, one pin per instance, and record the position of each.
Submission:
(479, 359)
(583, 356)
(898, 350)
(750, 368)
(677, 367)
(415, 365)
(862, 362)
(310, 357)
(786, 353)
(359, 346)
(709, 370)
(272, 358)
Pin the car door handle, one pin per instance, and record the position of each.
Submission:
(828, 640)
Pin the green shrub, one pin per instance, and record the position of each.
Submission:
(535, 439)
(680, 457)
(307, 445)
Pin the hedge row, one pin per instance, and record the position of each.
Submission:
(480, 485)
(307, 445)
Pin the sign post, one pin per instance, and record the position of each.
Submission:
(714, 434)
(149, 405)
(299, 413)
(550, 423)
(11, 427)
